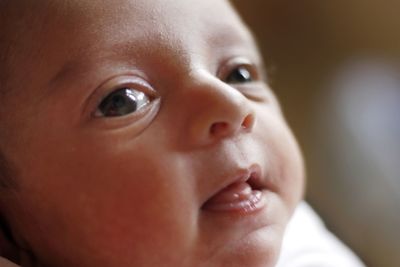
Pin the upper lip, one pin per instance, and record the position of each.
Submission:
(251, 175)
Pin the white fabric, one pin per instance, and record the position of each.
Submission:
(307, 243)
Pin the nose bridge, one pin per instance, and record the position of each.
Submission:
(217, 110)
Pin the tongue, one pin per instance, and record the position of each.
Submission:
(232, 195)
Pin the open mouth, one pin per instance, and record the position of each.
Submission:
(244, 195)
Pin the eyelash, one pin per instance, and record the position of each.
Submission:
(123, 97)
(244, 75)
(115, 105)
(248, 72)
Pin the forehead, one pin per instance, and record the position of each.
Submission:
(162, 14)
(181, 24)
(166, 22)
(78, 31)
(132, 19)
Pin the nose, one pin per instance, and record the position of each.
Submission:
(217, 110)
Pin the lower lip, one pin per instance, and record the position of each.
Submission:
(238, 198)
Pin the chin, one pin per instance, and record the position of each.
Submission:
(258, 249)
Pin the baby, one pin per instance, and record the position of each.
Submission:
(141, 133)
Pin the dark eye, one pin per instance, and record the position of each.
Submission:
(241, 74)
(122, 102)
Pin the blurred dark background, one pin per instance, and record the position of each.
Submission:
(335, 67)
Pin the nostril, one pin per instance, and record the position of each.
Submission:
(248, 122)
(224, 129)
(219, 128)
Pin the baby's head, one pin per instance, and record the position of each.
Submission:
(142, 133)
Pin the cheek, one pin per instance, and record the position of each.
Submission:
(284, 158)
(291, 171)
(111, 203)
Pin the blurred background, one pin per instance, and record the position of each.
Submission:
(335, 65)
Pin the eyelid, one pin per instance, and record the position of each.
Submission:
(237, 62)
(255, 89)
(113, 84)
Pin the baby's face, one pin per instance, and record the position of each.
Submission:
(143, 134)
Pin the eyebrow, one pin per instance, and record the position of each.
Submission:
(71, 68)
(83, 62)
(231, 33)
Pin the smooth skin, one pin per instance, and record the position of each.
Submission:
(110, 185)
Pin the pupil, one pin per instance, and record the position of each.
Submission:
(240, 75)
(118, 101)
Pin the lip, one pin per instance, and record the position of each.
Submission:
(242, 194)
